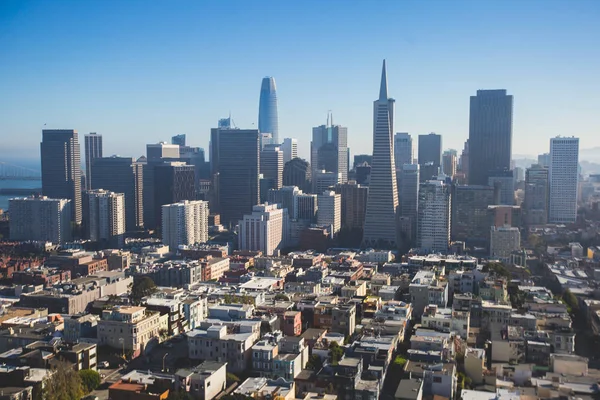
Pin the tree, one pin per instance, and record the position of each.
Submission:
(571, 301)
(314, 362)
(399, 361)
(179, 395)
(90, 379)
(141, 288)
(282, 297)
(231, 378)
(64, 384)
(335, 352)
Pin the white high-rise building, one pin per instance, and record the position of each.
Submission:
(265, 229)
(563, 176)
(403, 149)
(184, 223)
(290, 149)
(330, 210)
(40, 218)
(382, 203)
(104, 217)
(433, 231)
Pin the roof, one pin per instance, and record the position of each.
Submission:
(408, 389)
(477, 395)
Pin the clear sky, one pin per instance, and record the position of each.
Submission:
(141, 71)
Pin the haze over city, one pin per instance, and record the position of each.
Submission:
(139, 72)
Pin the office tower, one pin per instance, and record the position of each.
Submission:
(285, 198)
(354, 204)
(506, 181)
(433, 232)
(194, 156)
(536, 195)
(470, 213)
(235, 162)
(430, 154)
(325, 180)
(408, 198)
(305, 207)
(360, 159)
(290, 149)
(463, 164)
(490, 134)
(330, 211)
(564, 174)
(403, 149)
(329, 149)
(382, 203)
(173, 182)
(266, 139)
(265, 229)
(93, 150)
(297, 172)
(501, 215)
(41, 219)
(179, 140)
(61, 168)
(156, 154)
(449, 163)
(363, 174)
(503, 241)
(428, 171)
(122, 175)
(518, 174)
(184, 223)
(271, 166)
(267, 109)
(104, 217)
(544, 160)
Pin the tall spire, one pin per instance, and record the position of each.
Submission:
(383, 89)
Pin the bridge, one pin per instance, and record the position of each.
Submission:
(17, 173)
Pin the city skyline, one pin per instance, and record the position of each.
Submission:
(130, 113)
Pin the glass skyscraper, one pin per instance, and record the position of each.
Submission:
(267, 109)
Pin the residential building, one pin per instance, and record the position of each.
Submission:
(268, 121)
(403, 149)
(564, 178)
(297, 172)
(382, 202)
(93, 150)
(290, 149)
(329, 150)
(426, 289)
(430, 155)
(446, 320)
(265, 229)
(433, 232)
(292, 323)
(61, 168)
(40, 218)
(354, 204)
(204, 381)
(172, 308)
(503, 241)
(330, 211)
(104, 217)
(184, 223)
(263, 389)
(490, 134)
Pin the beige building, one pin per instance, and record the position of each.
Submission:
(130, 328)
(475, 364)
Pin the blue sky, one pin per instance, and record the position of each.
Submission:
(141, 71)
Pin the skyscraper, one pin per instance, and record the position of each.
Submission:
(449, 162)
(93, 150)
(271, 166)
(382, 202)
(408, 197)
(536, 195)
(354, 203)
(40, 218)
(433, 232)
(184, 223)
(104, 217)
(265, 229)
(297, 172)
(506, 180)
(490, 134)
(178, 140)
(305, 207)
(430, 156)
(285, 198)
(61, 168)
(122, 175)
(329, 149)
(267, 109)
(403, 149)
(290, 149)
(173, 182)
(470, 213)
(564, 174)
(330, 211)
(155, 154)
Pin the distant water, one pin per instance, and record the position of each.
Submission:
(16, 185)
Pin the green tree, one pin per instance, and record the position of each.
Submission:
(282, 297)
(336, 352)
(400, 361)
(90, 379)
(179, 395)
(571, 301)
(63, 384)
(231, 378)
(141, 288)
(314, 362)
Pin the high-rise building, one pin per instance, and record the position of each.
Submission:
(360, 159)
(330, 211)
(61, 168)
(93, 150)
(40, 218)
(490, 134)
(179, 140)
(382, 203)
(267, 109)
(433, 232)
(235, 159)
(564, 178)
(285, 198)
(536, 195)
(305, 207)
(297, 172)
(470, 213)
(122, 175)
(505, 179)
(430, 155)
(449, 162)
(173, 182)
(324, 180)
(544, 160)
(363, 174)
(195, 156)
(503, 241)
(104, 217)
(501, 215)
(463, 164)
(271, 166)
(354, 204)
(403, 149)
(156, 154)
(329, 150)
(408, 197)
(184, 223)
(265, 229)
(290, 149)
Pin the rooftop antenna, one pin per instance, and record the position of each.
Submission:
(329, 118)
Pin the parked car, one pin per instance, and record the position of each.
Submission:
(104, 364)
